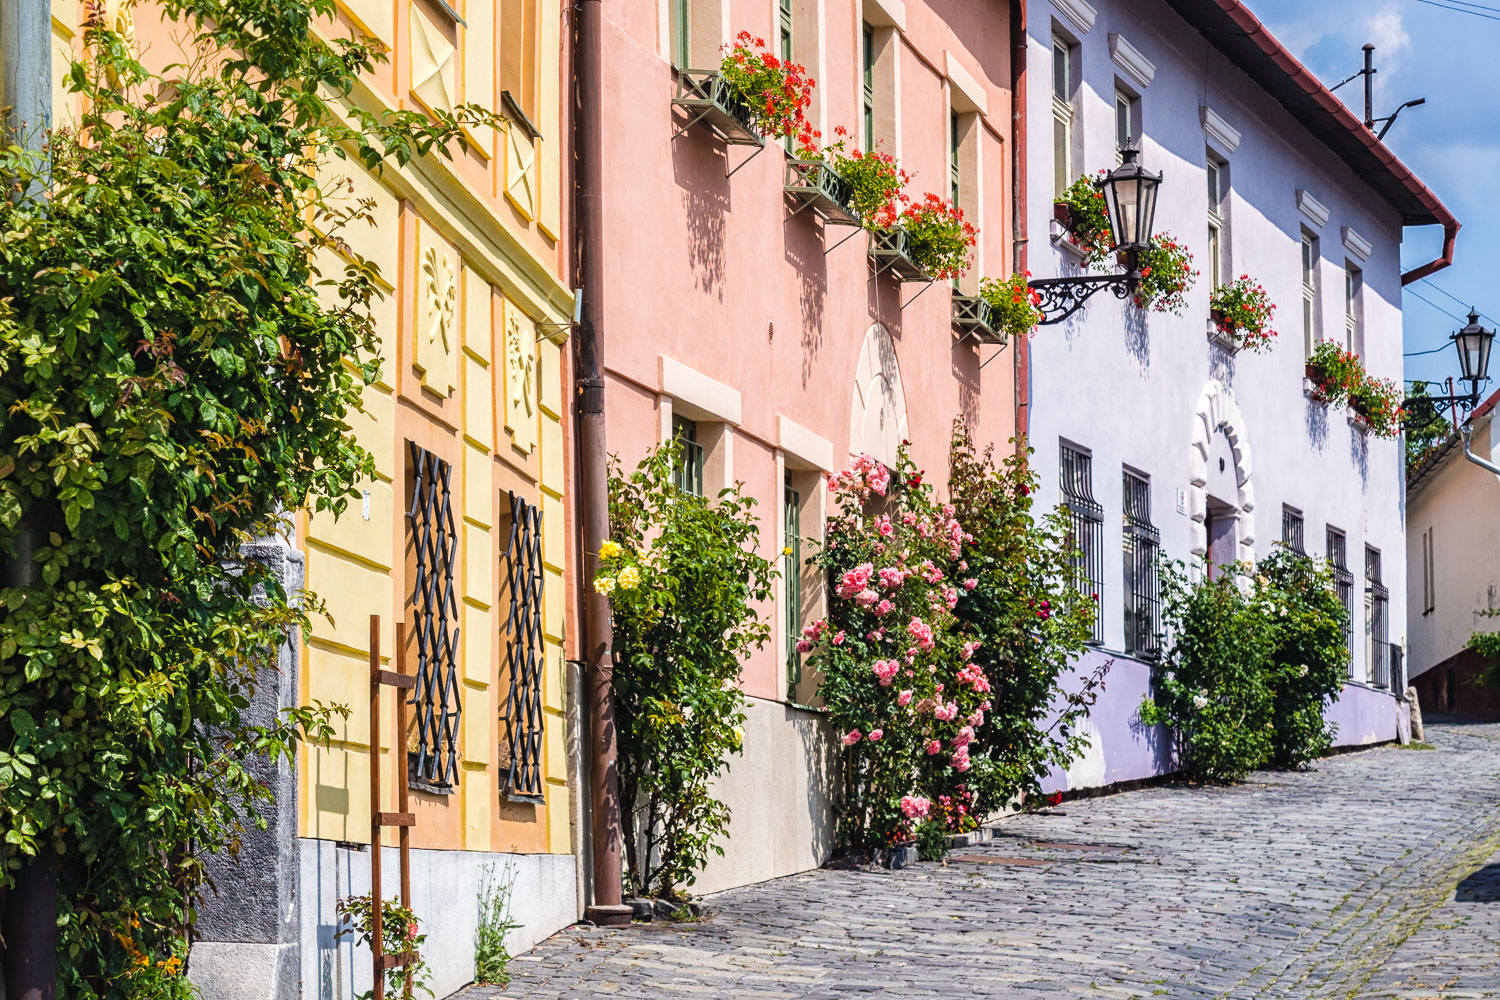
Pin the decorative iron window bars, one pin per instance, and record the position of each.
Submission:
(1292, 534)
(1343, 580)
(1086, 530)
(524, 652)
(1142, 543)
(437, 697)
(1377, 601)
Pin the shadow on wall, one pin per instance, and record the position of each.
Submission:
(965, 368)
(1221, 364)
(1359, 454)
(1481, 887)
(824, 791)
(806, 246)
(1317, 423)
(884, 299)
(1138, 336)
(698, 168)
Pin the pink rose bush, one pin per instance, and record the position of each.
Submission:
(894, 661)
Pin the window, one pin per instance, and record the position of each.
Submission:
(1377, 600)
(1291, 530)
(784, 38)
(1127, 122)
(1216, 171)
(1142, 592)
(682, 33)
(1086, 529)
(1310, 313)
(1354, 332)
(522, 719)
(791, 575)
(688, 476)
(1343, 580)
(869, 86)
(1429, 576)
(953, 172)
(437, 696)
(1062, 114)
(519, 50)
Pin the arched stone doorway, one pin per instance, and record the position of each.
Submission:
(1217, 518)
(877, 416)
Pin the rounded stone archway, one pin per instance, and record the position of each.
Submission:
(1218, 412)
(877, 414)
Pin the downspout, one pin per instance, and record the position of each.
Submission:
(593, 484)
(1018, 117)
(1465, 429)
(28, 912)
(1450, 234)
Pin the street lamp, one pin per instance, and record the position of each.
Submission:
(1473, 344)
(1130, 202)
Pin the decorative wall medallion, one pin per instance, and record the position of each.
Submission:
(520, 378)
(432, 63)
(435, 357)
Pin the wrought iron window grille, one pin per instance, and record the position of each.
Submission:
(1377, 602)
(1142, 546)
(1292, 531)
(1086, 530)
(522, 719)
(437, 696)
(1343, 580)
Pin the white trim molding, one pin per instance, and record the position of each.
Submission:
(885, 13)
(1313, 210)
(697, 396)
(1129, 58)
(1222, 137)
(964, 86)
(1079, 13)
(1359, 247)
(806, 449)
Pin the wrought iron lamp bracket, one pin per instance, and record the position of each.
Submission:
(1062, 297)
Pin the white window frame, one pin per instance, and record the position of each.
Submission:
(1311, 313)
(1354, 313)
(1216, 172)
(1063, 87)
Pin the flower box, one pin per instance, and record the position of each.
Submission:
(1217, 334)
(890, 249)
(708, 98)
(1312, 384)
(816, 186)
(972, 316)
(1358, 421)
(1062, 212)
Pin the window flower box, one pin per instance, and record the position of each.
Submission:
(891, 251)
(1358, 421)
(972, 316)
(709, 98)
(1218, 333)
(816, 186)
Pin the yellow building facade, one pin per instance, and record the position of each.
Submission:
(462, 534)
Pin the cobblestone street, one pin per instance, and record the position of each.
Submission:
(1376, 875)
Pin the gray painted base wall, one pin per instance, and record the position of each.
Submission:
(445, 895)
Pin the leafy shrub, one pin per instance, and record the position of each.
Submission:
(1013, 303)
(400, 932)
(1166, 275)
(1243, 310)
(1029, 625)
(683, 580)
(1212, 688)
(491, 951)
(932, 841)
(1310, 656)
(778, 92)
(175, 375)
(941, 242)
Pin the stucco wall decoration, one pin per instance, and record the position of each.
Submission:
(520, 174)
(432, 59)
(1217, 411)
(520, 377)
(435, 357)
(877, 420)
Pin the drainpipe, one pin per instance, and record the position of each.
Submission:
(593, 484)
(1466, 429)
(1022, 360)
(28, 912)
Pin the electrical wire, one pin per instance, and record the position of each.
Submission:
(1462, 10)
(1466, 305)
(1466, 3)
(1422, 298)
(1418, 354)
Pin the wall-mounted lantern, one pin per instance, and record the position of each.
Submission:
(1130, 202)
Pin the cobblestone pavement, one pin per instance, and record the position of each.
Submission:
(1377, 875)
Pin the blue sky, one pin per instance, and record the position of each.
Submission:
(1452, 142)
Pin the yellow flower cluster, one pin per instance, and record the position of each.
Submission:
(609, 550)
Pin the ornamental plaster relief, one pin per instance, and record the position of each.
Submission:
(520, 169)
(435, 351)
(432, 64)
(1217, 412)
(520, 378)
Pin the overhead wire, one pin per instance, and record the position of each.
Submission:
(1462, 10)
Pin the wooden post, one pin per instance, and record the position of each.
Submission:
(377, 944)
(403, 790)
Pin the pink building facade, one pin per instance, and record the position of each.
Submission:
(770, 339)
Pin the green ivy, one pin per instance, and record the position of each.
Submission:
(175, 376)
(684, 581)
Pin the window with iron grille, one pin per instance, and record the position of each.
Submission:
(1377, 601)
(1085, 529)
(437, 696)
(791, 575)
(688, 475)
(1142, 588)
(1343, 580)
(521, 719)
(1291, 530)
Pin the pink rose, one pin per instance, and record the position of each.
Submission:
(803, 646)
(875, 735)
(970, 583)
(915, 806)
(933, 748)
(852, 737)
(838, 640)
(883, 608)
(904, 698)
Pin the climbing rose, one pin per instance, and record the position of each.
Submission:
(852, 737)
(915, 806)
